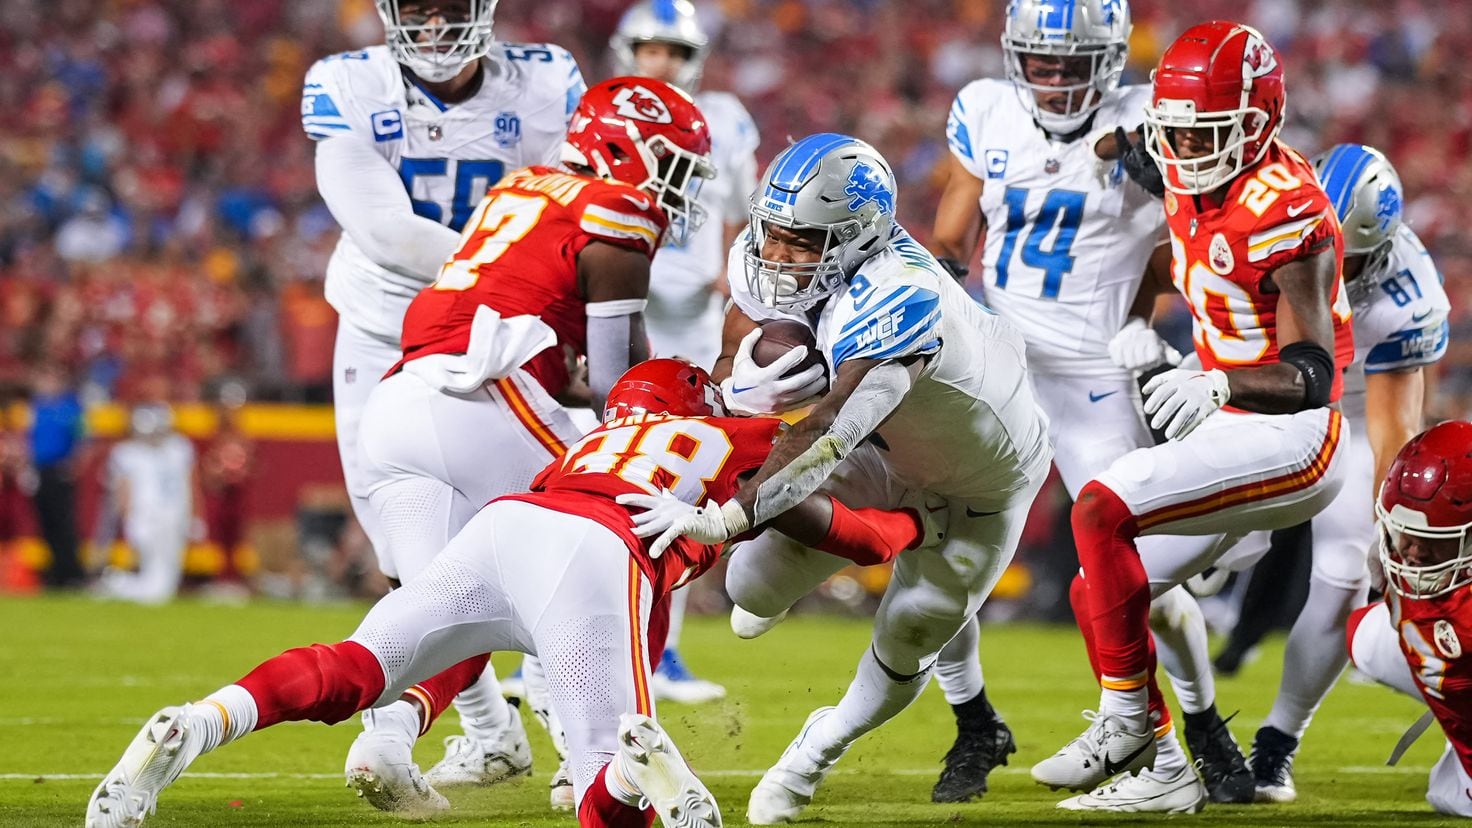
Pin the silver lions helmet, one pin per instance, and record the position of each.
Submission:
(835, 184)
(435, 39)
(662, 21)
(1367, 196)
(1098, 30)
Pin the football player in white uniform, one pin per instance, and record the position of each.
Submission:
(409, 137)
(930, 395)
(1069, 236)
(663, 39)
(1400, 328)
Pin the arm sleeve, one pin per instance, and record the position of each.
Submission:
(610, 352)
(368, 199)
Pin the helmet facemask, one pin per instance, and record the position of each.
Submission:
(1233, 131)
(1397, 526)
(780, 285)
(675, 183)
(1085, 95)
(437, 47)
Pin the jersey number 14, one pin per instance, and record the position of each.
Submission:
(1062, 210)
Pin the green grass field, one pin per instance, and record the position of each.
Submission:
(79, 678)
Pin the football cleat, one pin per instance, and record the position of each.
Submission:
(749, 625)
(380, 768)
(156, 757)
(674, 682)
(1223, 767)
(978, 749)
(475, 761)
(652, 763)
(1272, 765)
(562, 795)
(1105, 750)
(1180, 794)
(788, 786)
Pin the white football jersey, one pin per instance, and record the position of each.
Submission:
(159, 476)
(1067, 235)
(1400, 318)
(969, 428)
(446, 155)
(733, 142)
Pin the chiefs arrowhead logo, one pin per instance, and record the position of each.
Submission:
(1258, 58)
(640, 104)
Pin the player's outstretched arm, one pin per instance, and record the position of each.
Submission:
(1394, 401)
(367, 197)
(1305, 374)
(615, 282)
(958, 219)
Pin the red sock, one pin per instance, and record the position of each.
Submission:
(322, 683)
(437, 692)
(870, 536)
(1119, 591)
(658, 634)
(1078, 597)
(600, 810)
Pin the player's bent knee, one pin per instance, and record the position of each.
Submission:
(322, 683)
(1099, 512)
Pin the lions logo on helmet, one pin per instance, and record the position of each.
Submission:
(866, 185)
(1387, 207)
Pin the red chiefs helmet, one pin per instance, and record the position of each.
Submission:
(1222, 77)
(650, 135)
(1426, 502)
(664, 386)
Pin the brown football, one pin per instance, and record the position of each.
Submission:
(782, 335)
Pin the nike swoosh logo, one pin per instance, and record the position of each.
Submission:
(1097, 397)
(1420, 316)
(639, 203)
(1298, 208)
(1111, 769)
(735, 390)
(973, 514)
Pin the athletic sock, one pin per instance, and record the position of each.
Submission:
(226, 715)
(1314, 657)
(484, 712)
(875, 696)
(1180, 633)
(958, 669)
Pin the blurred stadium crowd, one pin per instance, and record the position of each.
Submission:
(161, 238)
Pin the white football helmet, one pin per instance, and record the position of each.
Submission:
(1096, 29)
(454, 32)
(662, 21)
(829, 182)
(1367, 196)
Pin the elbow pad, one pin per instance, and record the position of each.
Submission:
(1317, 367)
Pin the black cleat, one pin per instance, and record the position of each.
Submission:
(979, 747)
(1223, 767)
(1272, 765)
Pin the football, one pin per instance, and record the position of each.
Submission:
(782, 335)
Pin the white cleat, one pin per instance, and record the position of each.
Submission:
(562, 795)
(472, 761)
(1105, 750)
(748, 625)
(654, 764)
(674, 682)
(1180, 794)
(380, 767)
(788, 786)
(156, 757)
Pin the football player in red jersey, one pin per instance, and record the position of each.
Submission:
(553, 265)
(1256, 251)
(561, 571)
(1425, 512)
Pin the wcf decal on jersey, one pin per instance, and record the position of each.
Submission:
(1219, 255)
(880, 329)
(387, 125)
(996, 163)
(640, 104)
(1445, 636)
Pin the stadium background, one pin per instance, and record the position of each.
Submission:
(161, 239)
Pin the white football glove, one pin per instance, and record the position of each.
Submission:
(669, 517)
(1137, 347)
(752, 389)
(1181, 399)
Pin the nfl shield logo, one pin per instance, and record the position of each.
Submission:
(436, 132)
(1051, 167)
(508, 130)
(1446, 639)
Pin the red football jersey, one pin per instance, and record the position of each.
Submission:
(1433, 634)
(697, 458)
(518, 255)
(1222, 260)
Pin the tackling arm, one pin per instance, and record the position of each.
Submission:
(368, 199)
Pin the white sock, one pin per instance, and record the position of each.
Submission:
(871, 700)
(227, 714)
(1314, 657)
(678, 599)
(399, 719)
(620, 785)
(1169, 757)
(958, 670)
(484, 712)
(1182, 647)
(1131, 705)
